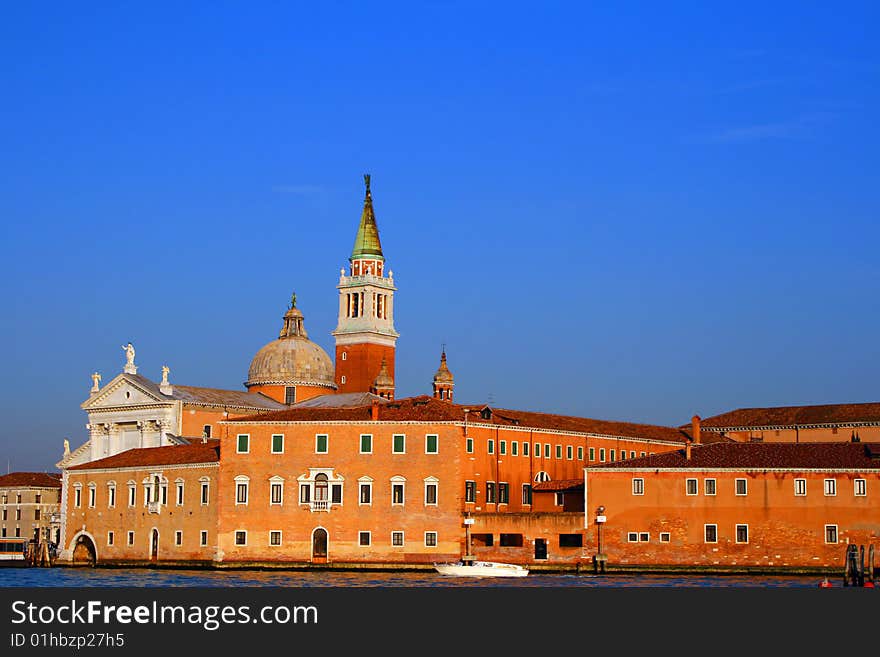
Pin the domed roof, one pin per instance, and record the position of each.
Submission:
(443, 374)
(292, 359)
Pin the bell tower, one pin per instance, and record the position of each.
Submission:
(365, 335)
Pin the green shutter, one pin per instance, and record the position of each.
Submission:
(243, 440)
(431, 446)
(321, 443)
(366, 443)
(399, 443)
(277, 444)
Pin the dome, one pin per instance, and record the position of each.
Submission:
(292, 359)
(443, 374)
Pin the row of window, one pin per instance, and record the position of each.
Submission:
(38, 498)
(710, 535)
(741, 487)
(365, 539)
(18, 514)
(178, 538)
(323, 491)
(322, 443)
(155, 490)
(549, 450)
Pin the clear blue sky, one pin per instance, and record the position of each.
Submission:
(636, 212)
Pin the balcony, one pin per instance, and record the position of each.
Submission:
(320, 505)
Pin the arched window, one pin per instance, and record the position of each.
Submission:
(542, 476)
(321, 487)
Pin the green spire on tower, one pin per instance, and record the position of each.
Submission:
(366, 243)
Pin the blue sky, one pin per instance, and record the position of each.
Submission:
(636, 212)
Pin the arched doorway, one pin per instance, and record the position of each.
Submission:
(154, 544)
(84, 553)
(319, 545)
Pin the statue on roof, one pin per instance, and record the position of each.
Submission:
(165, 370)
(293, 300)
(96, 378)
(130, 367)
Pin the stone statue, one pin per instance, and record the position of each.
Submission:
(95, 379)
(66, 447)
(293, 300)
(165, 371)
(130, 367)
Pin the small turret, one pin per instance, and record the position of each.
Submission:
(444, 382)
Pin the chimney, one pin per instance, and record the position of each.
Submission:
(687, 450)
(695, 428)
(374, 411)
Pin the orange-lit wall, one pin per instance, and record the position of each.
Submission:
(361, 365)
(818, 435)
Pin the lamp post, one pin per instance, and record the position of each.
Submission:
(600, 558)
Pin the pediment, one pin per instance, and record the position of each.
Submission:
(125, 391)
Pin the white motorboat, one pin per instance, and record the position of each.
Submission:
(481, 569)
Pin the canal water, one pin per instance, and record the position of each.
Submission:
(143, 577)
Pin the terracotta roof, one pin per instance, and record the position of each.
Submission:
(788, 416)
(208, 452)
(747, 456)
(561, 484)
(31, 480)
(341, 400)
(210, 396)
(428, 409)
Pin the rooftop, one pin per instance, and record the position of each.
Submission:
(754, 456)
(210, 396)
(207, 452)
(31, 480)
(791, 416)
(428, 409)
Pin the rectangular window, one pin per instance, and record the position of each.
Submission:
(178, 537)
(632, 454)
(275, 537)
(179, 493)
(431, 445)
(132, 495)
(546, 450)
(514, 448)
(690, 487)
(277, 443)
(632, 537)
(559, 451)
(571, 540)
(397, 494)
(109, 538)
(525, 449)
(398, 443)
(580, 453)
(366, 443)
(469, 445)
(431, 494)
(537, 451)
(641, 454)
(111, 496)
(830, 487)
(130, 538)
(711, 533)
(569, 452)
(800, 487)
(664, 537)
(164, 490)
(503, 493)
(366, 493)
(831, 533)
(397, 539)
(430, 539)
(601, 455)
(241, 537)
(241, 493)
(860, 487)
(336, 494)
(502, 447)
(204, 496)
(92, 495)
(321, 442)
(592, 453)
(742, 533)
(364, 539)
(613, 456)
(559, 499)
(275, 492)
(203, 538)
(243, 444)
(644, 537)
(289, 395)
(490, 446)
(470, 491)
(709, 486)
(741, 487)
(490, 492)
(305, 493)
(638, 485)
(77, 497)
(526, 494)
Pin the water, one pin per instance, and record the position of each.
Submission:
(141, 577)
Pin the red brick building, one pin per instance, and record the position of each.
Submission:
(737, 505)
